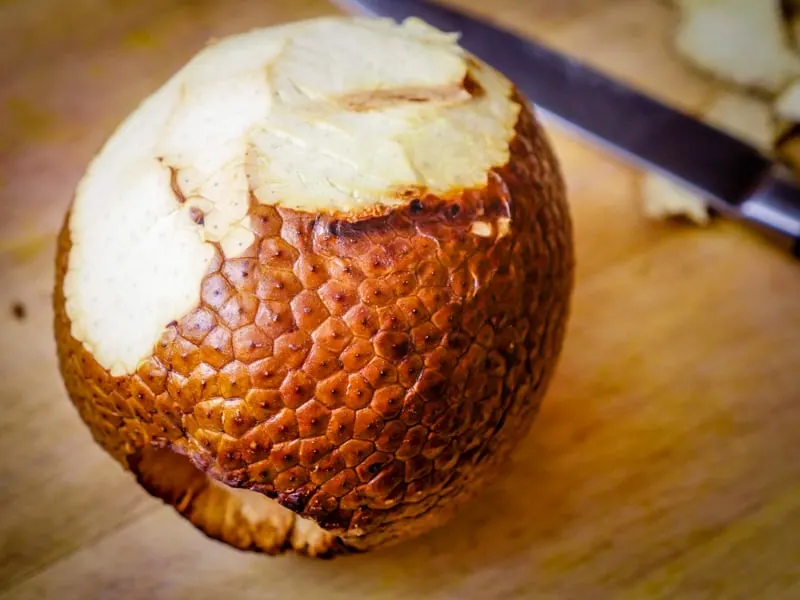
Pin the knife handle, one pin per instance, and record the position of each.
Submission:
(774, 207)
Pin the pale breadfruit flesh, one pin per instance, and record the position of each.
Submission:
(309, 115)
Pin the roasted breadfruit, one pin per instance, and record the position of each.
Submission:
(312, 291)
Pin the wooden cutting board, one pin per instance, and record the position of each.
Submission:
(665, 463)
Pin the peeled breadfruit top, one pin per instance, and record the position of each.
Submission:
(312, 291)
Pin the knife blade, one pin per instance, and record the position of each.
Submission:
(735, 179)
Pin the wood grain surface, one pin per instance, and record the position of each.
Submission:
(665, 462)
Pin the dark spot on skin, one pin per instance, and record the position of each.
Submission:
(472, 87)
(457, 342)
(197, 215)
(415, 207)
(454, 210)
(19, 311)
(313, 268)
(435, 390)
(329, 520)
(296, 501)
(401, 348)
(374, 468)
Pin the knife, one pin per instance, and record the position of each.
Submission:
(735, 179)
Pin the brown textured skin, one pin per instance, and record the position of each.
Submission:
(370, 375)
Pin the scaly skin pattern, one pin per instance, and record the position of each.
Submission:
(368, 374)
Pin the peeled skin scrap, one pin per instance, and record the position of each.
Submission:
(744, 42)
(744, 117)
(787, 105)
(664, 199)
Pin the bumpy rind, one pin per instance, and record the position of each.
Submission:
(369, 374)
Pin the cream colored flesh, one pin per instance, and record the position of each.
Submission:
(741, 41)
(331, 114)
(787, 106)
